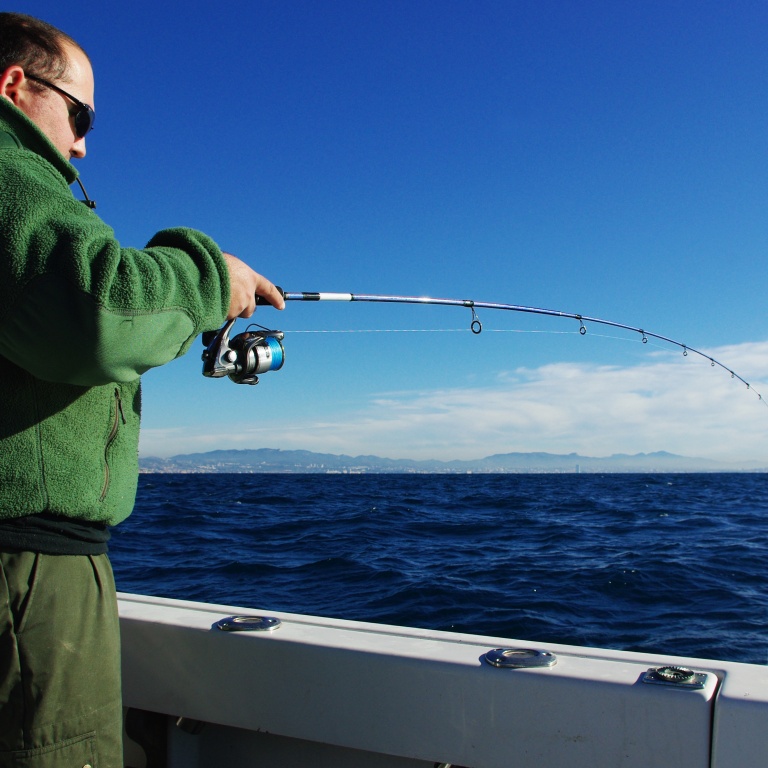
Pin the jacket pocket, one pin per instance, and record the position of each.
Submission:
(79, 751)
(117, 417)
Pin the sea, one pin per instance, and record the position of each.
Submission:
(668, 563)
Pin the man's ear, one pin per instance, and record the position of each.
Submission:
(10, 80)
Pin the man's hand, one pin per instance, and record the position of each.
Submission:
(245, 285)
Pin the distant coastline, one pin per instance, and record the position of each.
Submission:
(272, 460)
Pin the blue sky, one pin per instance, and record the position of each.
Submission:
(605, 158)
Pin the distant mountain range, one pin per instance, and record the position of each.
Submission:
(275, 460)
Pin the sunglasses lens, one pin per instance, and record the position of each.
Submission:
(84, 120)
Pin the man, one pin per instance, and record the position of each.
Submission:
(81, 318)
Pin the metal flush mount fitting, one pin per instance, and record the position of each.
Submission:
(520, 658)
(248, 624)
(680, 677)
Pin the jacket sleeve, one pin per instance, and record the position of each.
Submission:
(75, 306)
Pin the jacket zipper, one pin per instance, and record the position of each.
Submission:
(119, 415)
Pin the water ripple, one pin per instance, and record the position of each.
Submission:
(662, 563)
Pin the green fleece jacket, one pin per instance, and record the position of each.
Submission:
(81, 318)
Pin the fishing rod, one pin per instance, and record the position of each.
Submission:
(258, 351)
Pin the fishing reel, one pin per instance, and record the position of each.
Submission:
(244, 356)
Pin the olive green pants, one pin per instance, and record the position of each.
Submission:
(60, 702)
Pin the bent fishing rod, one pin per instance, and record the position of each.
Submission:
(253, 352)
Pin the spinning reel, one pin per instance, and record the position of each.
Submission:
(244, 356)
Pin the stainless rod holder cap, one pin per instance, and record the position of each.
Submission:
(248, 624)
(520, 658)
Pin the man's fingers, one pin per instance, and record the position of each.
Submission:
(245, 288)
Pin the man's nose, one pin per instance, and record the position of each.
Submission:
(78, 149)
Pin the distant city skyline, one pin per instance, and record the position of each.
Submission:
(267, 460)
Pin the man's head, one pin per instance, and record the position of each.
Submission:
(48, 76)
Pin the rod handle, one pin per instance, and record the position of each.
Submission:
(261, 301)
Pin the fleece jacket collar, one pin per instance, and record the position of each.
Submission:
(13, 121)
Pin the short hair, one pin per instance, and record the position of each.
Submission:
(34, 45)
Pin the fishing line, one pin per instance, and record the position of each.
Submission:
(624, 339)
(468, 330)
(442, 330)
(485, 330)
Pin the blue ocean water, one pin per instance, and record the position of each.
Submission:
(648, 562)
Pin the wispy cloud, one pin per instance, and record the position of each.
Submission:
(674, 403)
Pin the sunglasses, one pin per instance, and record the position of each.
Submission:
(84, 116)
